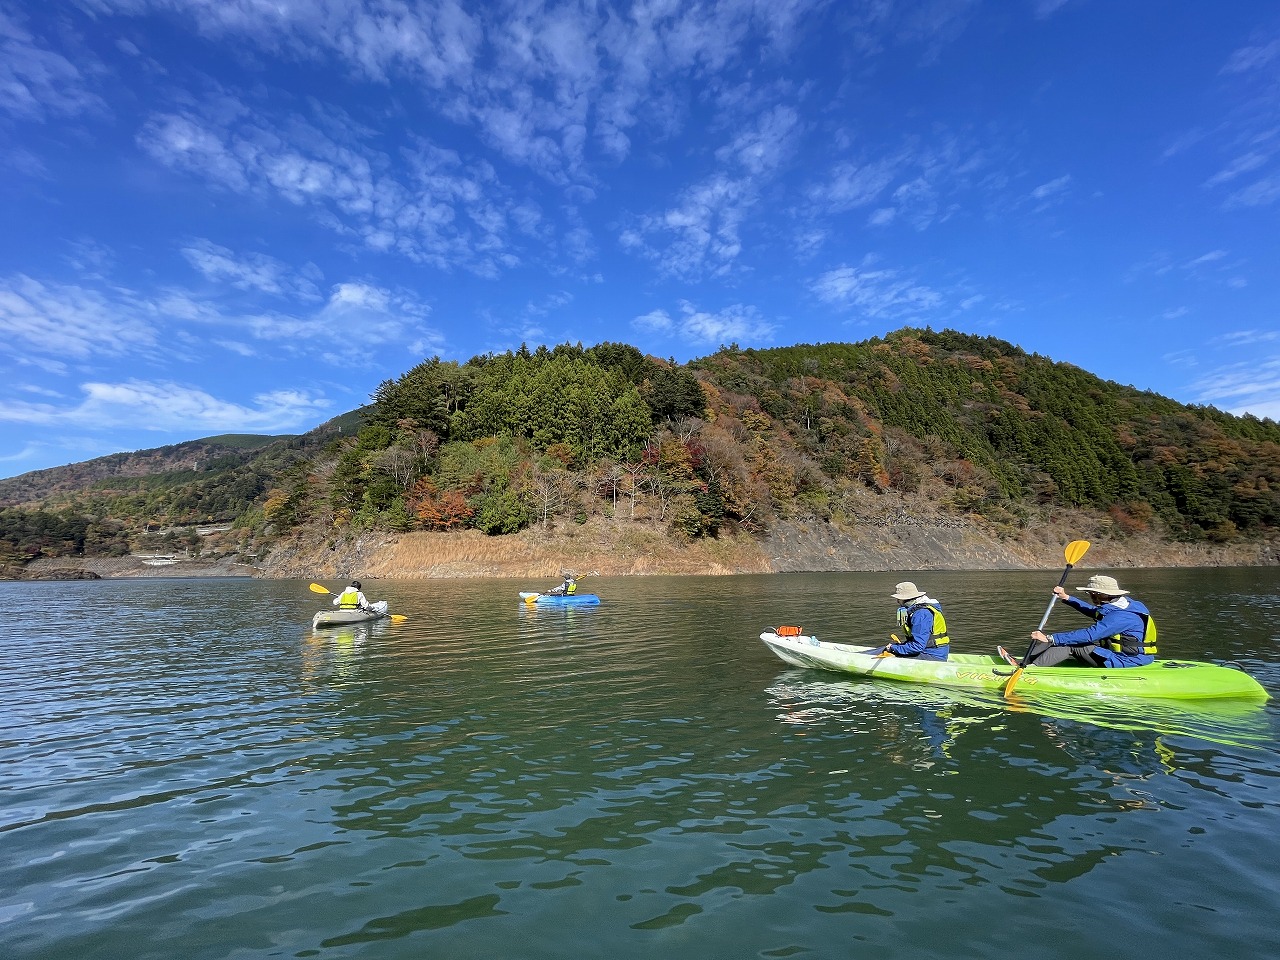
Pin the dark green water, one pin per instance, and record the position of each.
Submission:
(187, 771)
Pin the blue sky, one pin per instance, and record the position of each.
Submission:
(243, 215)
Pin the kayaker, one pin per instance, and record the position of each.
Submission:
(566, 589)
(921, 619)
(1123, 634)
(351, 598)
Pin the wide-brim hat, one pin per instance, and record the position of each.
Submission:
(1103, 585)
(906, 590)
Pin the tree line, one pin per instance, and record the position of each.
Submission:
(942, 421)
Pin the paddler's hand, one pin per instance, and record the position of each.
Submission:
(1039, 637)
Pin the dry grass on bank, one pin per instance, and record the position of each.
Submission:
(608, 550)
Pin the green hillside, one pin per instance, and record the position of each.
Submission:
(940, 422)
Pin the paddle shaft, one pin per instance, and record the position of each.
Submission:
(1045, 619)
(1075, 550)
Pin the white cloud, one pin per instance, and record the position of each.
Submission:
(169, 407)
(1247, 338)
(446, 211)
(733, 324)
(247, 272)
(851, 185)
(66, 321)
(37, 83)
(56, 322)
(1261, 193)
(1047, 8)
(1051, 189)
(765, 147)
(653, 321)
(1252, 57)
(875, 292)
(1240, 165)
(1246, 388)
(701, 233)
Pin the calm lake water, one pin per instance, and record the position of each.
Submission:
(188, 771)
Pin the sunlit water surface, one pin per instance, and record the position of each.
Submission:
(188, 771)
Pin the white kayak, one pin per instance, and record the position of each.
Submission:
(336, 617)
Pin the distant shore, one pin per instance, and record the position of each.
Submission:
(902, 543)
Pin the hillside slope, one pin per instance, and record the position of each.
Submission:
(917, 450)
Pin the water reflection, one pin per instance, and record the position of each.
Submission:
(1228, 722)
(954, 789)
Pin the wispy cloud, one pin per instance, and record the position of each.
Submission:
(1051, 192)
(919, 183)
(1245, 388)
(72, 322)
(448, 213)
(1260, 193)
(1247, 338)
(1253, 57)
(79, 322)
(737, 323)
(700, 235)
(1238, 167)
(163, 406)
(248, 271)
(37, 83)
(1047, 8)
(1247, 134)
(538, 83)
(873, 291)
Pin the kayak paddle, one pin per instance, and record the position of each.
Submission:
(393, 617)
(1075, 550)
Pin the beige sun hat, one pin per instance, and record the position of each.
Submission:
(906, 590)
(1101, 584)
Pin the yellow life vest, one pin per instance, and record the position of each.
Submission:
(939, 636)
(349, 599)
(1145, 646)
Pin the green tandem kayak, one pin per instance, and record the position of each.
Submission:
(1164, 679)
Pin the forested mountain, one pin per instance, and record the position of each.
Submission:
(938, 422)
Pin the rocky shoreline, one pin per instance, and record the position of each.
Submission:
(896, 543)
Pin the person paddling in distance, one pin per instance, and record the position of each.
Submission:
(920, 617)
(566, 589)
(351, 598)
(1123, 633)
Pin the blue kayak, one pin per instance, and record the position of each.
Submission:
(560, 599)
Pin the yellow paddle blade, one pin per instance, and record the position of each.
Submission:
(398, 618)
(316, 588)
(1075, 550)
(1008, 687)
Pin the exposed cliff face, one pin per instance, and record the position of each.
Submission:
(901, 542)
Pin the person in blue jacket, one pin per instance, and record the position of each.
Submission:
(922, 621)
(1123, 633)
